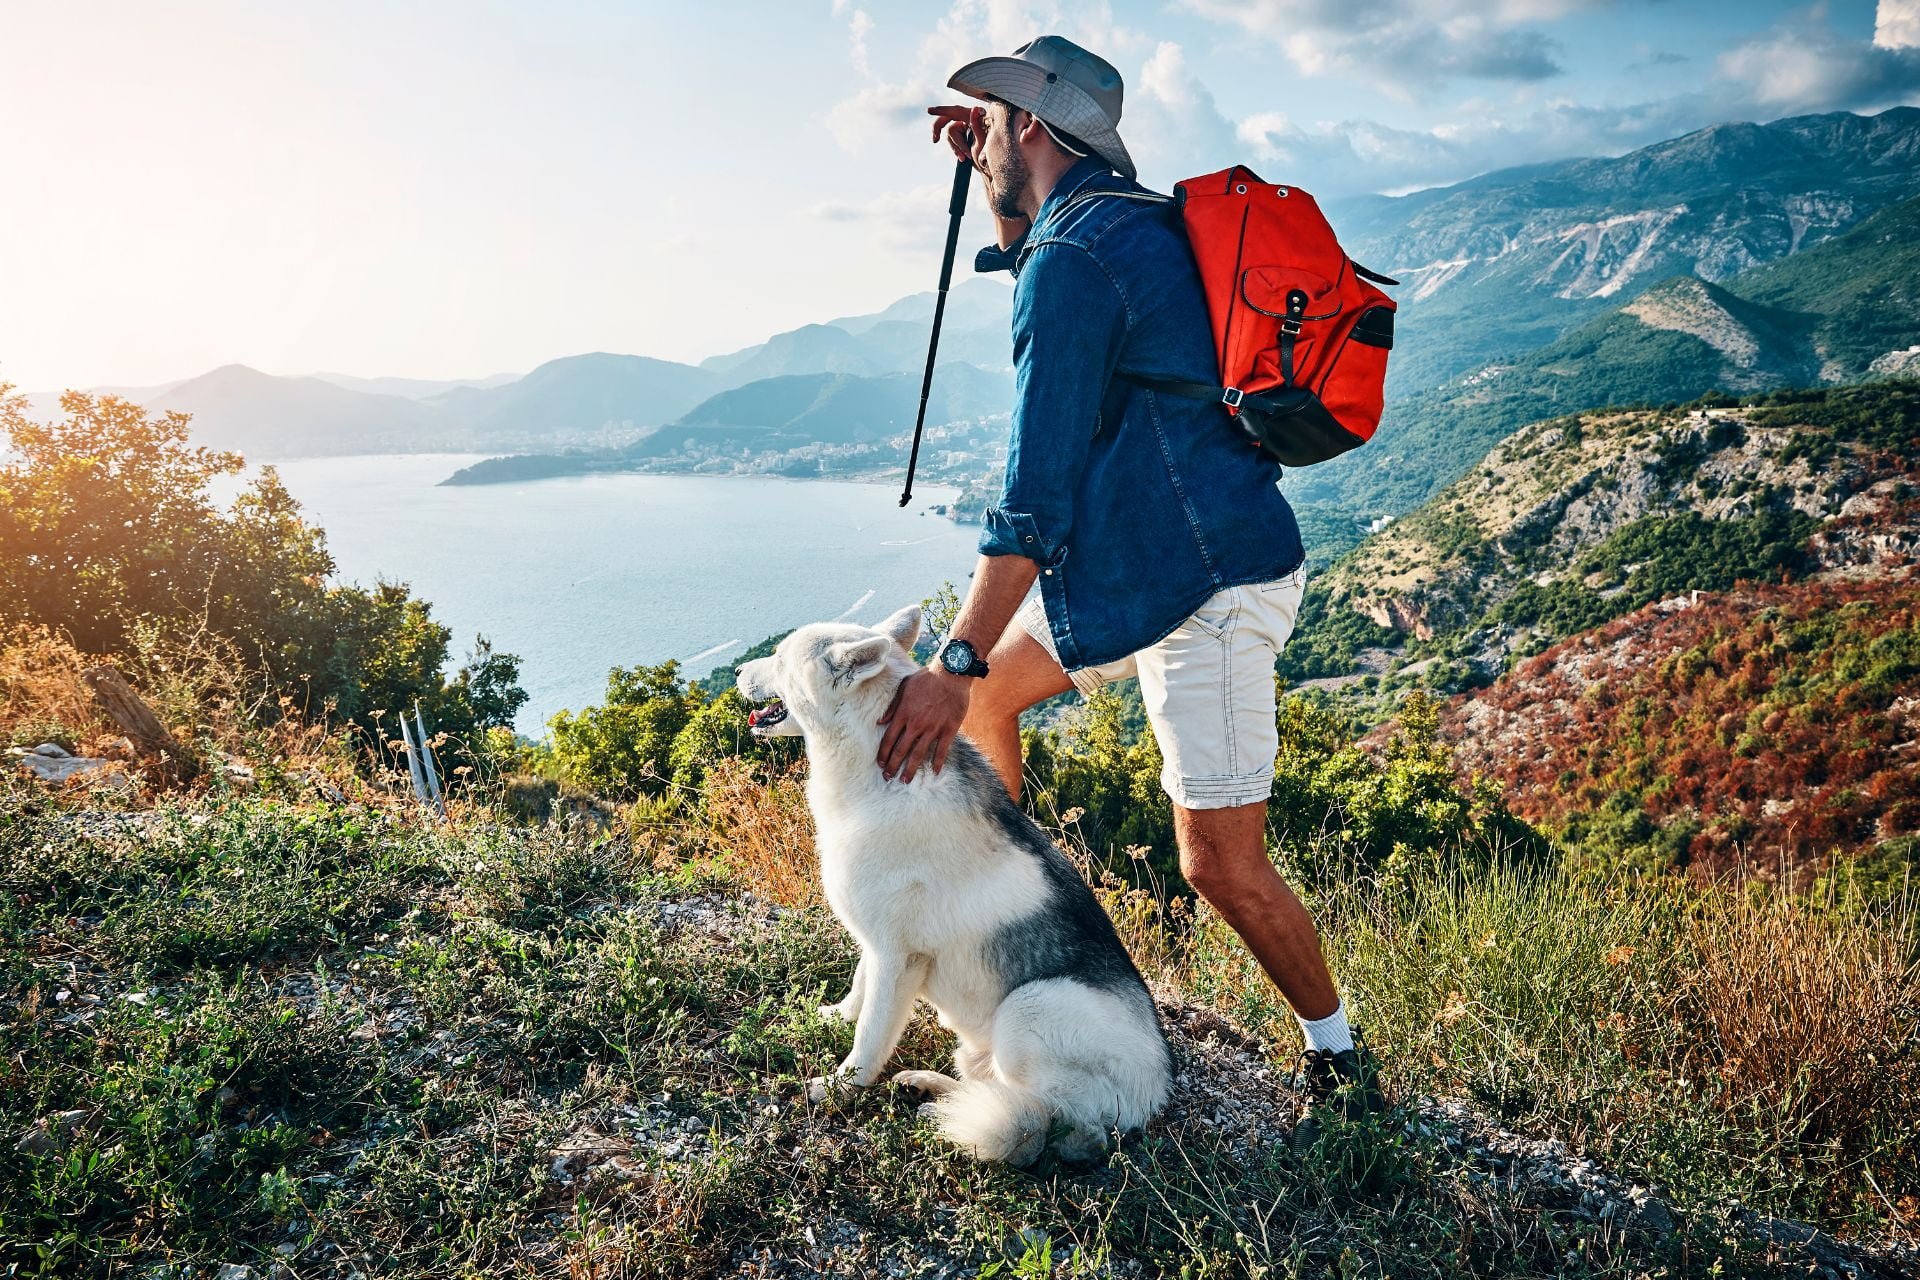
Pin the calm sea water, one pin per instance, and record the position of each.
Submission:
(581, 574)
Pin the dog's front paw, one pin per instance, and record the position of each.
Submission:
(840, 1084)
(931, 1083)
(842, 1012)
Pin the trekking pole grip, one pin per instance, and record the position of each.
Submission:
(962, 174)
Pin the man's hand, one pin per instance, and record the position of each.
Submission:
(966, 132)
(965, 129)
(921, 723)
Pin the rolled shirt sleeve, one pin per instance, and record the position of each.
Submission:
(1069, 322)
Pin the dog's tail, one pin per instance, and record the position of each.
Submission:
(994, 1121)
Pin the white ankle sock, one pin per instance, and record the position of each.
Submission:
(1329, 1034)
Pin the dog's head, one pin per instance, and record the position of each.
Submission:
(824, 673)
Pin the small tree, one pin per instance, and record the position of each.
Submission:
(624, 746)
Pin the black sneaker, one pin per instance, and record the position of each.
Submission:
(1347, 1082)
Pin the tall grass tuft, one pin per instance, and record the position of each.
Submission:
(759, 824)
(1813, 1023)
(42, 695)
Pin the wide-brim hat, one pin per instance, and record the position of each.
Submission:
(1065, 86)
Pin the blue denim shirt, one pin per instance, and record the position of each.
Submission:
(1136, 506)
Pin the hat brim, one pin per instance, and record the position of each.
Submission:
(1061, 104)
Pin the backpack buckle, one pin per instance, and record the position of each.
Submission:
(1232, 396)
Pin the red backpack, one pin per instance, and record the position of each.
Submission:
(1301, 332)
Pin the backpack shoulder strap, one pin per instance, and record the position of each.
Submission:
(1147, 197)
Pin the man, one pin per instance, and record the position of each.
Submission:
(1161, 542)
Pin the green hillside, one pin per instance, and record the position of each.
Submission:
(1576, 520)
(1864, 288)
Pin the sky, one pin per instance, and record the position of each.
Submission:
(455, 188)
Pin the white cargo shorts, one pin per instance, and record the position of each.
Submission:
(1208, 687)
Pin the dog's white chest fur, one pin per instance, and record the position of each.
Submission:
(906, 873)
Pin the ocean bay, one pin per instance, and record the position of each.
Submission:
(577, 575)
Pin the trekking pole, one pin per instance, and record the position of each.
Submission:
(956, 208)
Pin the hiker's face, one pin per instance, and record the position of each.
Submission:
(1006, 167)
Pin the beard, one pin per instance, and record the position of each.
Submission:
(1009, 180)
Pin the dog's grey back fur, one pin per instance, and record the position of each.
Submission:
(1066, 936)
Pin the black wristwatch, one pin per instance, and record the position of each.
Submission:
(957, 657)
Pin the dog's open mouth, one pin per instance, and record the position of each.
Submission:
(764, 718)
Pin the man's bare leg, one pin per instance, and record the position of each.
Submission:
(1022, 673)
(1223, 854)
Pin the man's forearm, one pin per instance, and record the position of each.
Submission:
(1000, 583)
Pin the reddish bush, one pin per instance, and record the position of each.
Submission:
(1779, 719)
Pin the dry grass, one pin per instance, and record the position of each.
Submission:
(42, 694)
(1815, 1017)
(195, 682)
(763, 830)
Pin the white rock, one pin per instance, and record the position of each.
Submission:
(59, 768)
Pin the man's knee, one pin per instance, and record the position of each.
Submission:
(1222, 850)
(992, 707)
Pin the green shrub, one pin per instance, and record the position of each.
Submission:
(624, 746)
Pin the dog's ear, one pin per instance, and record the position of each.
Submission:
(903, 626)
(858, 660)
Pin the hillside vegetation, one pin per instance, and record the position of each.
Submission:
(1763, 728)
(271, 1016)
(1576, 520)
(256, 1030)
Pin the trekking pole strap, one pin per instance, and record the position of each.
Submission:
(956, 209)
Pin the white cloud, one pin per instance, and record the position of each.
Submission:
(1896, 24)
(1171, 123)
(911, 223)
(1406, 46)
(1801, 67)
(1175, 127)
(1807, 66)
(858, 26)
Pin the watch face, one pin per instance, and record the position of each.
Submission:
(957, 656)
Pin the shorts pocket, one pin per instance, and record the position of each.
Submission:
(1215, 617)
(1295, 581)
(1279, 607)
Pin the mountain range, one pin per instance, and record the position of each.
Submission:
(597, 399)
(1844, 309)
(1502, 263)
(801, 424)
(1738, 257)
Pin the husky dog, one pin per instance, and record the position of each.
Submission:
(955, 896)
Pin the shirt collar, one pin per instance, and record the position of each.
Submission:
(1083, 171)
(994, 258)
